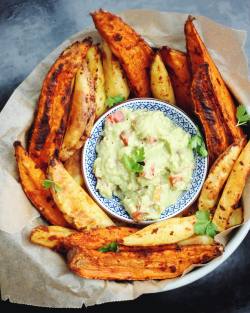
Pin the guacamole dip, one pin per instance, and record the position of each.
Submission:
(145, 160)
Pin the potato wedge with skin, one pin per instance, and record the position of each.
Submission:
(206, 108)
(49, 236)
(82, 112)
(74, 167)
(115, 81)
(233, 189)
(143, 264)
(166, 232)
(53, 105)
(32, 178)
(197, 55)
(95, 67)
(133, 53)
(161, 86)
(178, 71)
(78, 208)
(218, 175)
(236, 218)
(197, 240)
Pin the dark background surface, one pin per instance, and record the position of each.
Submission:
(29, 31)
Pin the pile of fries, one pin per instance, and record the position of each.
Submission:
(81, 85)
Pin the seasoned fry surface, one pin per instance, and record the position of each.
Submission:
(177, 66)
(130, 49)
(31, 178)
(139, 265)
(198, 54)
(53, 104)
(206, 108)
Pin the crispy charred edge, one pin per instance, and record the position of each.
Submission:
(40, 128)
(79, 260)
(56, 218)
(206, 108)
(133, 88)
(232, 131)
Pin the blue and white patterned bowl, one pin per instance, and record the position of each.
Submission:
(113, 206)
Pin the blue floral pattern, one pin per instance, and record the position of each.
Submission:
(114, 206)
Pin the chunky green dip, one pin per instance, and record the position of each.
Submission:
(145, 160)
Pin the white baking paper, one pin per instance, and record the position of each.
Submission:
(34, 275)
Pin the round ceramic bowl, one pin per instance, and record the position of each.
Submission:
(113, 206)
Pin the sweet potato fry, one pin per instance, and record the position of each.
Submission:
(197, 55)
(177, 66)
(141, 264)
(133, 53)
(81, 115)
(206, 107)
(31, 178)
(233, 189)
(218, 175)
(78, 208)
(53, 105)
(73, 167)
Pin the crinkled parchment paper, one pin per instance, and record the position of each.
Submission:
(34, 275)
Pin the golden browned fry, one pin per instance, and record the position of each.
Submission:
(81, 115)
(197, 240)
(78, 208)
(49, 236)
(169, 231)
(206, 107)
(233, 189)
(198, 54)
(178, 71)
(32, 178)
(161, 86)
(218, 175)
(133, 53)
(53, 104)
(236, 217)
(141, 264)
(73, 167)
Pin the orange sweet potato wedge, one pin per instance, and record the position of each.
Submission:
(53, 104)
(131, 50)
(141, 264)
(178, 70)
(31, 178)
(198, 54)
(206, 108)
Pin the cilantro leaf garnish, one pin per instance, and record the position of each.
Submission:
(47, 183)
(196, 143)
(135, 161)
(204, 225)
(111, 101)
(111, 247)
(242, 116)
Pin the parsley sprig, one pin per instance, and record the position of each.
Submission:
(204, 225)
(47, 183)
(111, 101)
(135, 161)
(196, 143)
(242, 116)
(111, 247)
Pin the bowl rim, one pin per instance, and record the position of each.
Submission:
(95, 198)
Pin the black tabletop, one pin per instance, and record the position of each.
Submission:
(29, 30)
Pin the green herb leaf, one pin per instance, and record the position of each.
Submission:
(111, 247)
(196, 143)
(47, 183)
(204, 225)
(242, 115)
(111, 101)
(134, 162)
